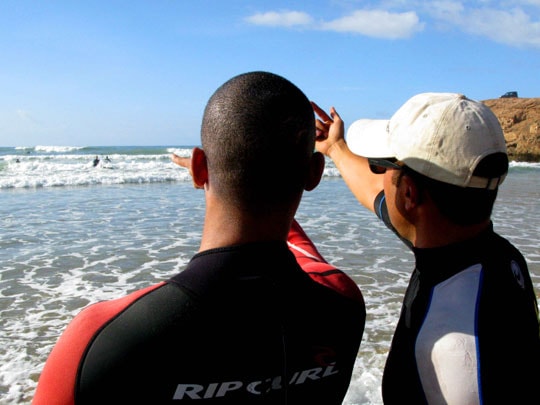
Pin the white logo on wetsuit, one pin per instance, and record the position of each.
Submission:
(220, 389)
(516, 270)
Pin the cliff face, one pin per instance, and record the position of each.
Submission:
(520, 121)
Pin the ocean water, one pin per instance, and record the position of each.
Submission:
(73, 234)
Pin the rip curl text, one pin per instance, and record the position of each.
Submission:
(261, 387)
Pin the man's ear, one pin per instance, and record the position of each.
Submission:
(316, 169)
(411, 192)
(199, 168)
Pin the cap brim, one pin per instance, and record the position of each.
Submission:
(369, 138)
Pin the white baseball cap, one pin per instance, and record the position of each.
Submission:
(440, 135)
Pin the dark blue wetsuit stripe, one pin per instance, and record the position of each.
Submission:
(477, 334)
(379, 207)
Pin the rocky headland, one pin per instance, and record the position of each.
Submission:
(520, 121)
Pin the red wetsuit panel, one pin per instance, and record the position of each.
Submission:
(313, 263)
(57, 380)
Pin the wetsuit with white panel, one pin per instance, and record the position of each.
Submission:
(468, 332)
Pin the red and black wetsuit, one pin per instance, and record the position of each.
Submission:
(242, 324)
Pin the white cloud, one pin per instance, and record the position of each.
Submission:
(280, 19)
(509, 27)
(490, 19)
(512, 27)
(530, 2)
(373, 23)
(377, 23)
(445, 10)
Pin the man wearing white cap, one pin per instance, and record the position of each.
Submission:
(468, 331)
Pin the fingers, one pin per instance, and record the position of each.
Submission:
(324, 123)
(181, 161)
(334, 114)
(320, 112)
(325, 119)
(186, 163)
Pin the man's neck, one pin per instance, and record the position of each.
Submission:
(443, 233)
(227, 227)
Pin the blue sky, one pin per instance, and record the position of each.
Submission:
(89, 73)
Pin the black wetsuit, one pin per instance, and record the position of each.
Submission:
(243, 324)
(468, 331)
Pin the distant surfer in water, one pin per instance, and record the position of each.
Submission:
(257, 316)
(96, 161)
(468, 331)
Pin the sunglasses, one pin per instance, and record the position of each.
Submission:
(380, 165)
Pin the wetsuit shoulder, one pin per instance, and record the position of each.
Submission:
(58, 378)
(314, 264)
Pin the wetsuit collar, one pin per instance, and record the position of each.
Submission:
(443, 262)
